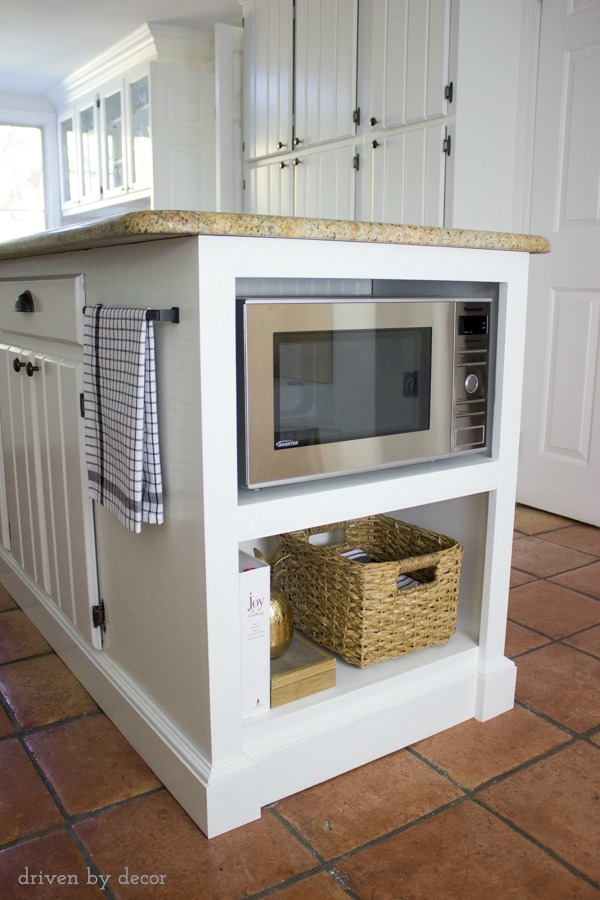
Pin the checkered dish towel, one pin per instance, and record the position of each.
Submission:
(121, 422)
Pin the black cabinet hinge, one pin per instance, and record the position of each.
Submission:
(99, 616)
(447, 145)
(356, 116)
(356, 162)
(449, 92)
(82, 405)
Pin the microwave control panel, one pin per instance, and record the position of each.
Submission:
(471, 374)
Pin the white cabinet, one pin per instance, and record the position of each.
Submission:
(325, 71)
(141, 135)
(369, 80)
(268, 77)
(315, 184)
(170, 674)
(299, 73)
(404, 100)
(270, 188)
(300, 93)
(49, 517)
(324, 183)
(124, 137)
(403, 176)
(404, 47)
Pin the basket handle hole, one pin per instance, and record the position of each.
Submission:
(325, 538)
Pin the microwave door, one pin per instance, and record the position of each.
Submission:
(342, 387)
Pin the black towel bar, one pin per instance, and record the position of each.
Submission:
(161, 315)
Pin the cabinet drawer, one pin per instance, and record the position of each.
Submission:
(57, 307)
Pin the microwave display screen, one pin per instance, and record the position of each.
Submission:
(342, 385)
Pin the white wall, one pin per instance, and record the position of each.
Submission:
(494, 78)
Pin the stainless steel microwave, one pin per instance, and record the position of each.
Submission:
(331, 386)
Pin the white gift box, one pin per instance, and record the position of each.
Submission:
(255, 601)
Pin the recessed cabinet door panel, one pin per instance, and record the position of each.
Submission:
(404, 178)
(271, 188)
(18, 407)
(49, 514)
(405, 48)
(324, 185)
(268, 74)
(325, 73)
(67, 511)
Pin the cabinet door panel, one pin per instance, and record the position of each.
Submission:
(404, 178)
(67, 510)
(324, 184)
(404, 50)
(18, 407)
(325, 73)
(50, 516)
(270, 189)
(268, 72)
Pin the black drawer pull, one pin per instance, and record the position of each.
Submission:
(24, 302)
(30, 369)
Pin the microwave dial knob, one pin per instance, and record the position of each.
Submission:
(471, 383)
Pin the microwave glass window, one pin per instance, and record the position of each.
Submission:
(332, 386)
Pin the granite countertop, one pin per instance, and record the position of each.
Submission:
(160, 224)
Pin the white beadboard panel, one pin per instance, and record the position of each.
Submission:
(268, 68)
(324, 184)
(438, 52)
(572, 374)
(21, 456)
(580, 175)
(54, 484)
(269, 189)
(405, 49)
(325, 70)
(416, 61)
(49, 513)
(405, 177)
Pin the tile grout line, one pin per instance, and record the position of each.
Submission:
(537, 843)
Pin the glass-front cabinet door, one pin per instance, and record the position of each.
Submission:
(140, 149)
(68, 160)
(88, 146)
(113, 145)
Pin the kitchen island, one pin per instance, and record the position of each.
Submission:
(150, 622)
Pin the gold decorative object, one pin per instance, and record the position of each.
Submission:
(282, 626)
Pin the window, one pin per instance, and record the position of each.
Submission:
(22, 191)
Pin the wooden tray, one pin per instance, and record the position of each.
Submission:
(305, 668)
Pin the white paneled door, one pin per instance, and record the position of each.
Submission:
(559, 466)
(50, 515)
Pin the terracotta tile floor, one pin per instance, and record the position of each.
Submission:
(505, 809)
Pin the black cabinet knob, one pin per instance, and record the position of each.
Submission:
(24, 302)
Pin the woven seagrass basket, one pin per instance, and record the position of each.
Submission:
(357, 609)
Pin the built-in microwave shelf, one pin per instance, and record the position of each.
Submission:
(292, 506)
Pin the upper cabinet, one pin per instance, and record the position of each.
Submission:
(347, 106)
(404, 50)
(299, 73)
(268, 76)
(137, 125)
